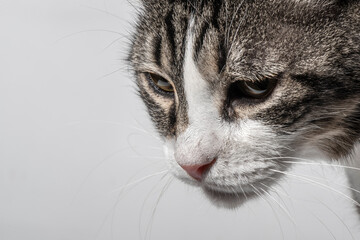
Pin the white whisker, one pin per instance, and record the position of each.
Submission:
(140, 180)
(281, 206)
(146, 199)
(257, 192)
(82, 184)
(339, 218)
(105, 12)
(320, 184)
(323, 224)
(324, 164)
(148, 229)
(274, 191)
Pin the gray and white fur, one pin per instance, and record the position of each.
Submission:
(207, 49)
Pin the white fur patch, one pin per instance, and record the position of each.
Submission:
(199, 99)
(197, 144)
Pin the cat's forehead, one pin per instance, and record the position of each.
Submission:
(252, 38)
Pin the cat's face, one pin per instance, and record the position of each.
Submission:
(235, 87)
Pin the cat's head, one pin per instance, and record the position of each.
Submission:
(236, 87)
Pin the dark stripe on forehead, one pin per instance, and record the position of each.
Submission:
(170, 30)
(222, 55)
(216, 9)
(157, 49)
(207, 23)
(200, 39)
(182, 48)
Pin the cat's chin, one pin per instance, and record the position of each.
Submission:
(226, 199)
(220, 198)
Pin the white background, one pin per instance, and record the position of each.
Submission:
(73, 133)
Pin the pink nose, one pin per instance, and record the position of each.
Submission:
(196, 171)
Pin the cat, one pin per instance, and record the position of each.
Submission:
(241, 89)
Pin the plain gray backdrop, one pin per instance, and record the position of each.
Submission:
(80, 160)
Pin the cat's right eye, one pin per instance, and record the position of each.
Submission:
(257, 89)
(251, 90)
(160, 83)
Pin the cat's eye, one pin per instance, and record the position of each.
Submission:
(257, 89)
(250, 90)
(160, 83)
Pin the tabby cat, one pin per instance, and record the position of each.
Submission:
(238, 89)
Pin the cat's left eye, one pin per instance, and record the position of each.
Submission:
(160, 82)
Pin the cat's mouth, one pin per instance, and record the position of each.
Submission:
(221, 195)
(233, 189)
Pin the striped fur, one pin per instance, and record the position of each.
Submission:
(204, 47)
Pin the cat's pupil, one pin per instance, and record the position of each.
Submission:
(164, 84)
(256, 89)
